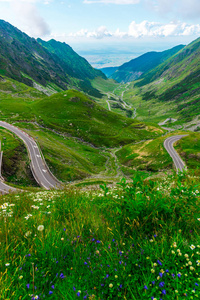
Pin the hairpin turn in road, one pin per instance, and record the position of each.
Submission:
(168, 144)
(40, 170)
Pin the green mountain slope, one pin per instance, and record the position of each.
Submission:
(80, 67)
(24, 59)
(176, 80)
(133, 69)
(76, 134)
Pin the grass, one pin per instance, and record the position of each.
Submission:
(15, 160)
(152, 156)
(135, 241)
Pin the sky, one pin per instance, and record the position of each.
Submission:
(95, 27)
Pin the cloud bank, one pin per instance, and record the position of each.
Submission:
(143, 29)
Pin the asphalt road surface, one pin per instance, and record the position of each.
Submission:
(168, 144)
(40, 171)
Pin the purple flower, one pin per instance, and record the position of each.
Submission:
(155, 235)
(74, 288)
(161, 274)
(145, 287)
(78, 294)
(64, 229)
(53, 286)
(85, 263)
(196, 284)
(153, 282)
(164, 292)
(120, 286)
(113, 240)
(167, 271)
(179, 275)
(62, 276)
(28, 285)
(173, 275)
(161, 284)
(120, 262)
(98, 242)
(159, 262)
(50, 292)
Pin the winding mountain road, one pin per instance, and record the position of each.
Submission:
(40, 170)
(168, 144)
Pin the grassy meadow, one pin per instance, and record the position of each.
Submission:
(135, 241)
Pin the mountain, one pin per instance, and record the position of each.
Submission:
(80, 67)
(27, 60)
(177, 79)
(133, 69)
(109, 71)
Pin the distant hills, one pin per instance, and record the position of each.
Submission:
(135, 68)
(52, 64)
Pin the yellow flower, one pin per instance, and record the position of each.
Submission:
(110, 285)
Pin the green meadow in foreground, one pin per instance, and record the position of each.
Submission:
(135, 241)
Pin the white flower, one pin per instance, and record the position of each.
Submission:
(8, 264)
(40, 227)
(28, 233)
(198, 219)
(198, 262)
(192, 247)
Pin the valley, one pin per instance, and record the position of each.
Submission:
(99, 185)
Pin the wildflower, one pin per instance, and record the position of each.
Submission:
(28, 285)
(161, 284)
(110, 285)
(164, 292)
(198, 262)
(20, 277)
(179, 275)
(78, 294)
(28, 233)
(50, 292)
(151, 241)
(192, 247)
(62, 239)
(198, 219)
(191, 268)
(173, 252)
(8, 264)
(152, 271)
(40, 227)
(159, 262)
(186, 255)
(145, 287)
(176, 291)
(116, 276)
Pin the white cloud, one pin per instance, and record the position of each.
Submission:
(143, 29)
(112, 1)
(28, 16)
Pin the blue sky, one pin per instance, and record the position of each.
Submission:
(107, 24)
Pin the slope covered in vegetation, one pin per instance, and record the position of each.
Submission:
(138, 241)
